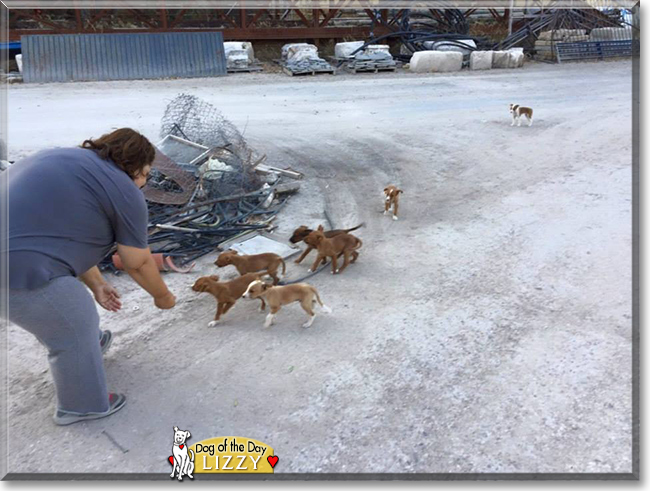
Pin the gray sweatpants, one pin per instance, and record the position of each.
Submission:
(63, 317)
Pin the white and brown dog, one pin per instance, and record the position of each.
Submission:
(518, 111)
(277, 296)
(183, 458)
(391, 199)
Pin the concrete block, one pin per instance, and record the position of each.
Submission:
(436, 61)
(516, 59)
(343, 50)
(296, 52)
(508, 59)
(480, 60)
(500, 59)
(240, 45)
(378, 49)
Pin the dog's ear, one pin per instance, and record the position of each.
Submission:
(214, 277)
(187, 435)
(232, 251)
(385, 190)
(320, 228)
(175, 428)
(399, 191)
(266, 286)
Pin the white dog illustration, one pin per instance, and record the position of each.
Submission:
(182, 461)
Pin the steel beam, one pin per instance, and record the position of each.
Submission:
(235, 34)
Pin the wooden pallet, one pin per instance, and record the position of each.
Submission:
(348, 65)
(307, 72)
(373, 69)
(250, 68)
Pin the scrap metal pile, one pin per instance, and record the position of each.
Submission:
(539, 32)
(206, 186)
(416, 30)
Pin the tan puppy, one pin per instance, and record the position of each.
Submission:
(226, 293)
(277, 296)
(302, 232)
(346, 244)
(267, 261)
(391, 198)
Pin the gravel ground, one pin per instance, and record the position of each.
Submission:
(488, 330)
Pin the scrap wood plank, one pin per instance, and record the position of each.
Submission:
(266, 169)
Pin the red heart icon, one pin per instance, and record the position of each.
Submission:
(181, 446)
(171, 460)
(273, 459)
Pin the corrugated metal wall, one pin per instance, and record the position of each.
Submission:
(75, 57)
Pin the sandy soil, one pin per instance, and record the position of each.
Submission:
(488, 330)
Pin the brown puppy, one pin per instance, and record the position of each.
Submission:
(226, 293)
(391, 198)
(302, 232)
(346, 244)
(277, 296)
(518, 111)
(267, 261)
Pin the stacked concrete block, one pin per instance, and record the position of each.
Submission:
(239, 55)
(611, 34)
(436, 61)
(562, 35)
(297, 52)
(298, 58)
(480, 60)
(238, 46)
(545, 44)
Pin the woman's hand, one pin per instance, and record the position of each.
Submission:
(107, 297)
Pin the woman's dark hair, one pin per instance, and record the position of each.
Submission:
(130, 151)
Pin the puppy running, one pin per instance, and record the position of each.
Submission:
(182, 463)
(277, 296)
(518, 111)
(267, 261)
(302, 232)
(391, 198)
(345, 244)
(226, 293)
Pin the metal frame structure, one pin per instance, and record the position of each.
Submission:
(235, 24)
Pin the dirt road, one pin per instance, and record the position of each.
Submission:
(488, 330)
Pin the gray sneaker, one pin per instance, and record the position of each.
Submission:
(115, 401)
(105, 340)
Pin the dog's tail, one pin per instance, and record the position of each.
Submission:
(325, 308)
(284, 267)
(348, 230)
(192, 454)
